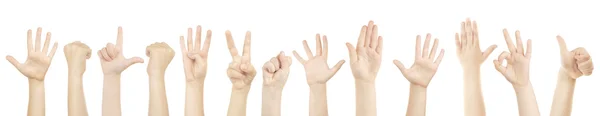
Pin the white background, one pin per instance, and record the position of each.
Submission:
(278, 25)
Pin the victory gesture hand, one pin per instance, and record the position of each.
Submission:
(38, 59)
(424, 67)
(276, 71)
(194, 58)
(111, 57)
(516, 70)
(365, 60)
(467, 46)
(240, 71)
(317, 69)
(577, 62)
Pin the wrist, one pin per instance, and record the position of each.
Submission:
(242, 90)
(318, 86)
(35, 83)
(521, 87)
(195, 84)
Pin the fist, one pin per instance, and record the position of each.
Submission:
(76, 54)
(160, 56)
(276, 70)
(578, 62)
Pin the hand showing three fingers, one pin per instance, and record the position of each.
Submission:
(467, 46)
(425, 66)
(316, 67)
(38, 59)
(577, 62)
(241, 72)
(111, 57)
(194, 58)
(516, 70)
(365, 60)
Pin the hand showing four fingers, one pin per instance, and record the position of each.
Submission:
(241, 72)
(516, 70)
(425, 66)
(111, 57)
(365, 60)
(195, 57)
(316, 67)
(38, 58)
(577, 62)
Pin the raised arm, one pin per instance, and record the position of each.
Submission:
(275, 74)
(35, 68)
(194, 65)
(240, 72)
(471, 57)
(575, 63)
(317, 74)
(420, 74)
(517, 73)
(365, 61)
(113, 63)
(160, 56)
(76, 53)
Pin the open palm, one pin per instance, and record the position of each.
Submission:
(365, 60)
(38, 59)
(516, 70)
(425, 66)
(195, 57)
(316, 67)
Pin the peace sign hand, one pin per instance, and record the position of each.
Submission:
(38, 61)
(111, 57)
(240, 71)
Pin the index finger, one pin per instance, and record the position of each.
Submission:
(232, 50)
(120, 37)
(509, 43)
(562, 44)
(246, 50)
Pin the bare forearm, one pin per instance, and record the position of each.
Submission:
(318, 100)
(271, 101)
(473, 98)
(158, 98)
(194, 98)
(37, 100)
(417, 101)
(111, 95)
(76, 98)
(563, 95)
(526, 100)
(237, 102)
(365, 99)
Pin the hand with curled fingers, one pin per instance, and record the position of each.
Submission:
(424, 66)
(577, 62)
(516, 70)
(241, 72)
(316, 67)
(38, 57)
(195, 55)
(276, 71)
(111, 57)
(365, 59)
(76, 54)
(160, 55)
(467, 46)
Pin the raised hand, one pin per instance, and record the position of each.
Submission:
(516, 70)
(38, 58)
(425, 66)
(194, 57)
(111, 57)
(276, 71)
(577, 62)
(77, 53)
(365, 60)
(467, 46)
(160, 56)
(316, 67)
(240, 71)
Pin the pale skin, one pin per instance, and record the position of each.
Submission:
(241, 72)
(574, 64)
(160, 56)
(365, 61)
(195, 56)
(76, 53)
(471, 57)
(516, 72)
(275, 74)
(113, 64)
(420, 74)
(35, 68)
(318, 73)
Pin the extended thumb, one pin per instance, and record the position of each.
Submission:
(133, 60)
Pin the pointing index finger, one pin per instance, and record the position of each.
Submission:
(120, 38)
(230, 44)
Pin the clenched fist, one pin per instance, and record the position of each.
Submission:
(240, 71)
(111, 57)
(76, 54)
(577, 62)
(160, 56)
(38, 59)
(276, 71)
